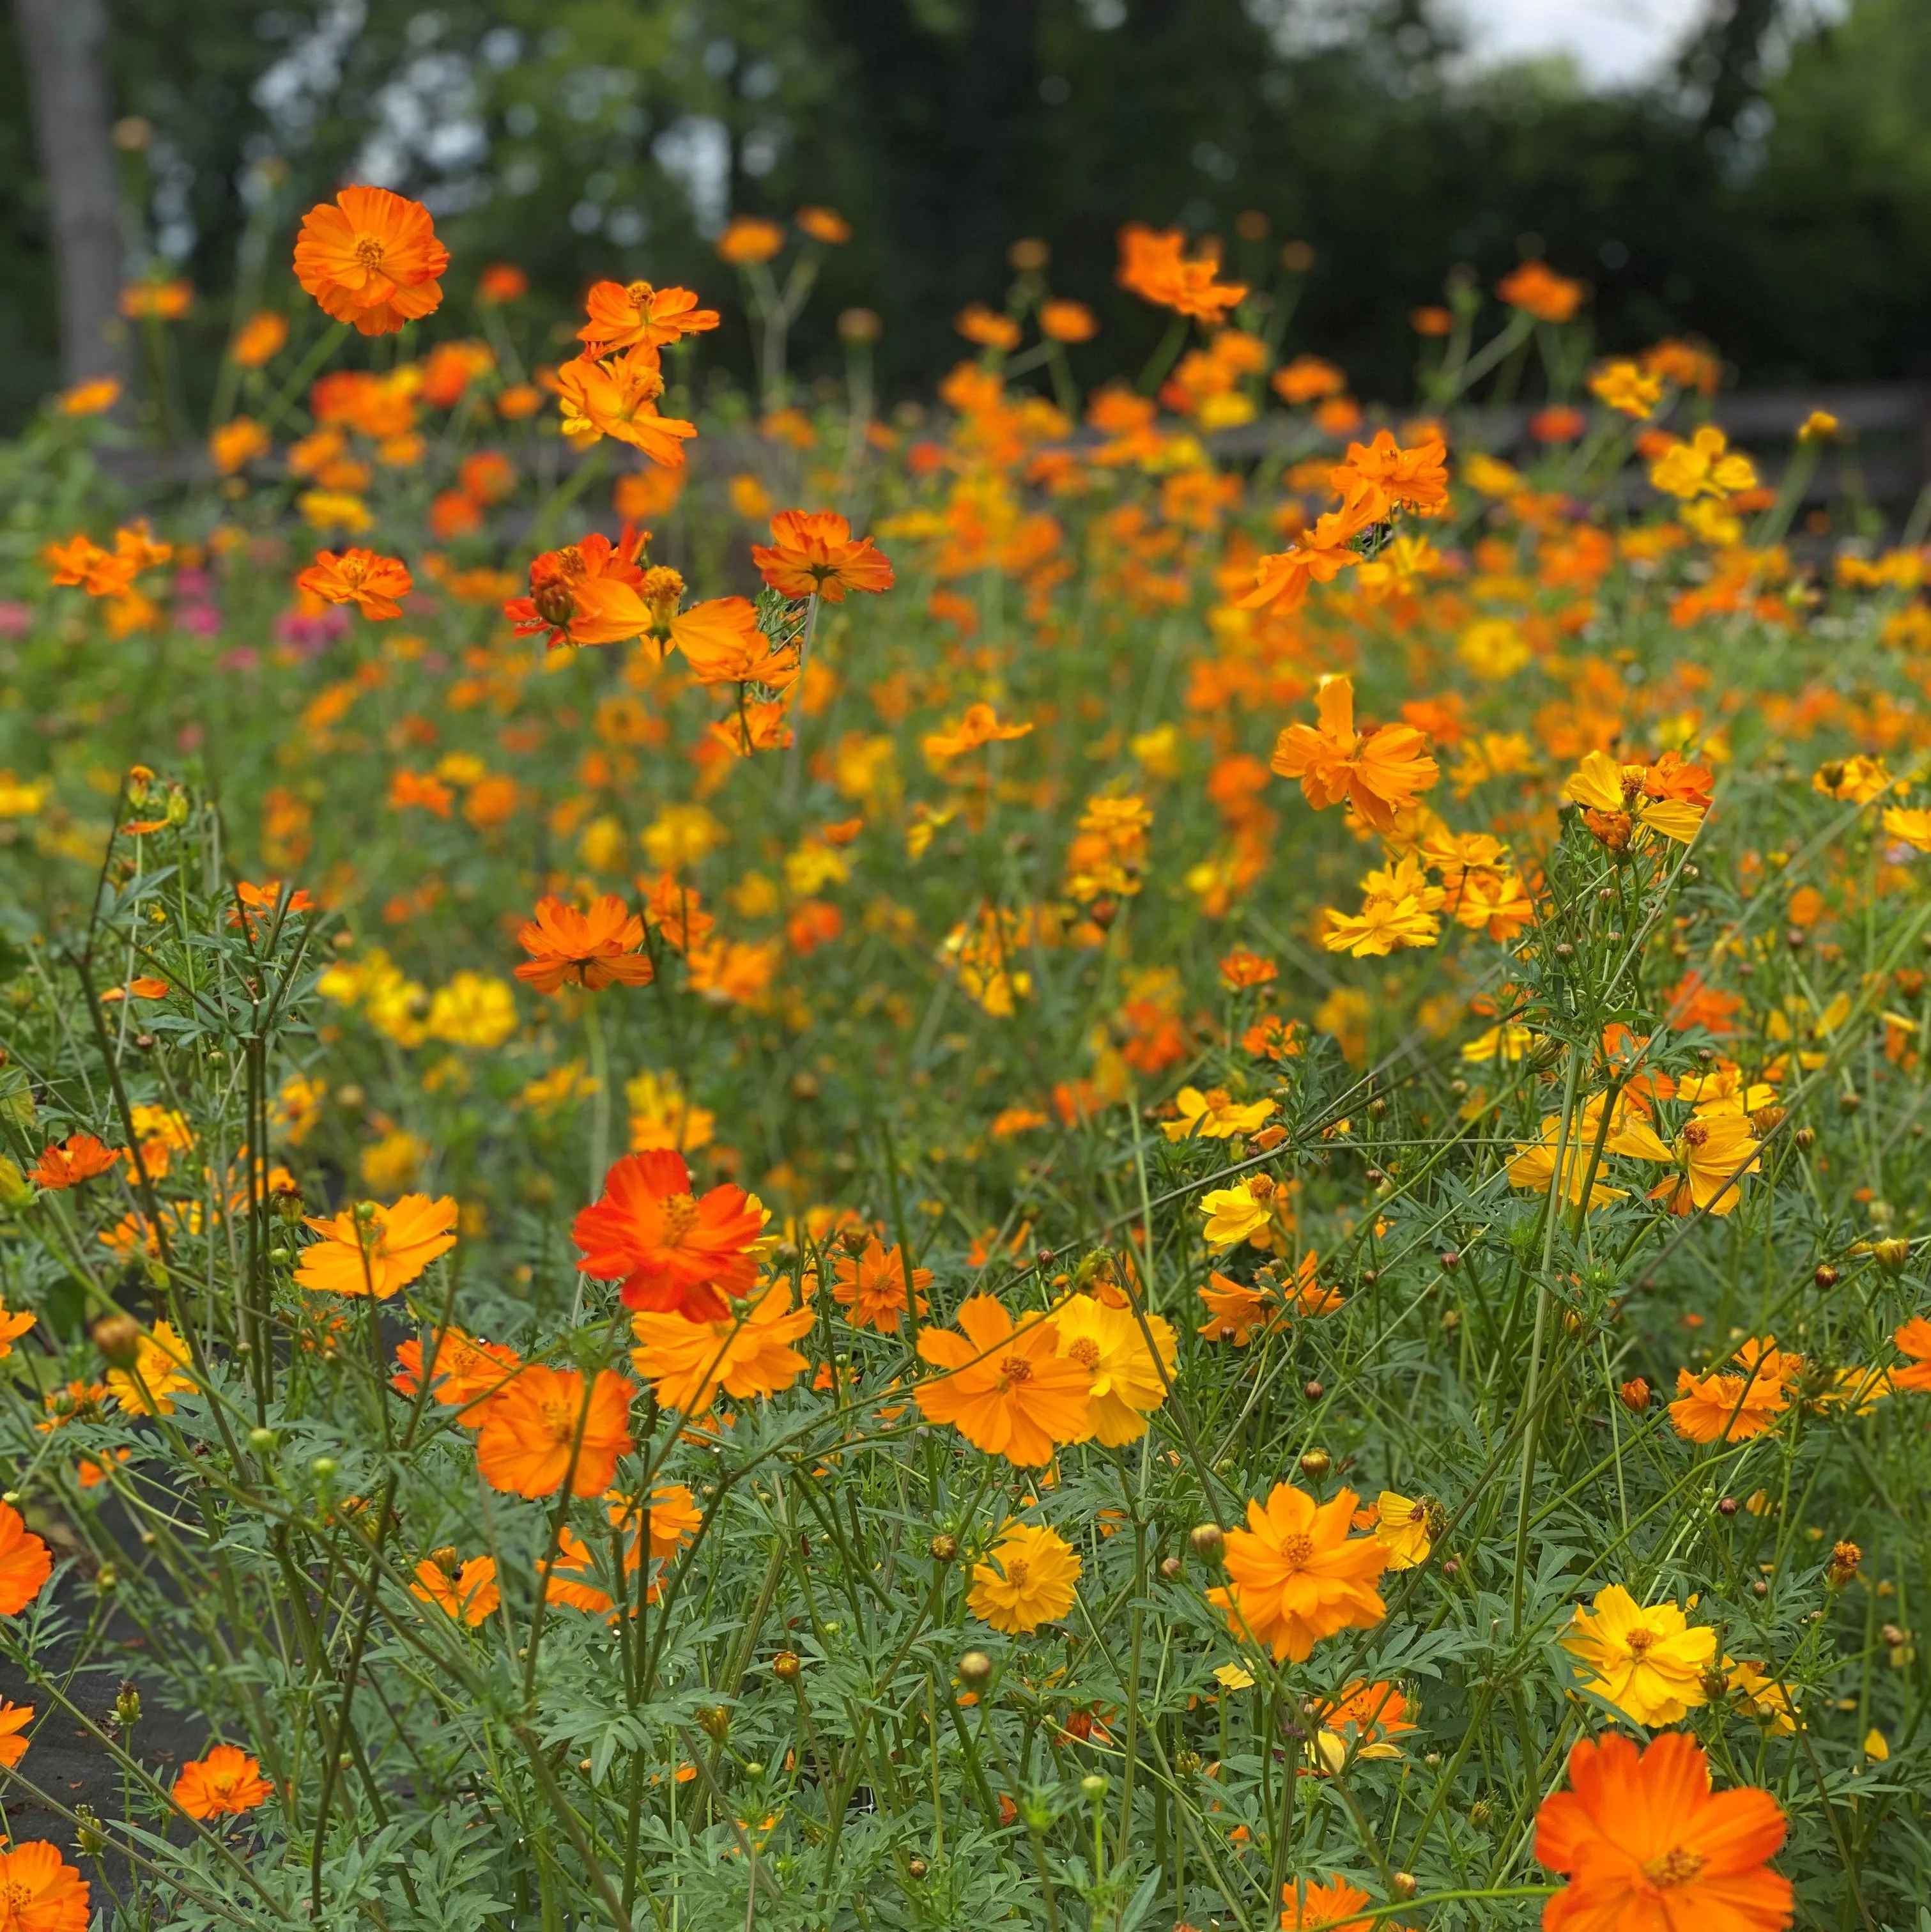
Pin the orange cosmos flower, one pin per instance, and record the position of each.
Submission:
(12, 1326)
(372, 258)
(1727, 1408)
(719, 638)
(1064, 321)
(1377, 478)
(227, 1781)
(558, 578)
(981, 725)
(1008, 1391)
(359, 577)
(26, 1563)
(823, 224)
(1330, 1907)
(673, 1253)
(1537, 288)
(1297, 1576)
(1235, 1313)
(371, 1250)
(871, 1285)
(463, 1371)
(531, 1429)
(1153, 265)
(39, 1891)
(501, 282)
(259, 340)
(1322, 555)
(636, 316)
(1379, 773)
(749, 240)
(619, 398)
(687, 1363)
(259, 904)
(592, 949)
(79, 1157)
(467, 1592)
(812, 553)
(1644, 1842)
(1914, 1339)
(14, 1718)
(81, 563)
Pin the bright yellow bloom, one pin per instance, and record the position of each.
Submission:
(1028, 1581)
(1233, 1214)
(1127, 1383)
(1212, 1116)
(1648, 1663)
(1624, 386)
(1705, 466)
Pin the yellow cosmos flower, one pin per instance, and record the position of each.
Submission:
(1028, 1581)
(1127, 1384)
(1649, 1663)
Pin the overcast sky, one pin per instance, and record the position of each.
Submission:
(1612, 40)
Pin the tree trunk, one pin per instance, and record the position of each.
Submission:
(61, 40)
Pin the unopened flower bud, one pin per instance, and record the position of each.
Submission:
(975, 1667)
(118, 1336)
(1844, 1558)
(179, 807)
(1634, 1395)
(1314, 1391)
(917, 1868)
(1316, 1463)
(1170, 1567)
(1826, 1276)
(1093, 1786)
(1209, 1541)
(715, 1720)
(943, 1548)
(1805, 1138)
(854, 1241)
(1404, 1885)
(1891, 1253)
(785, 1666)
(261, 1440)
(126, 1706)
(89, 1839)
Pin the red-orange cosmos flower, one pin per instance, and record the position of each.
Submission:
(812, 553)
(1007, 1391)
(1376, 478)
(79, 1157)
(592, 949)
(1154, 265)
(26, 1563)
(674, 1253)
(1645, 1844)
(371, 582)
(871, 1286)
(1324, 1908)
(636, 316)
(39, 1891)
(531, 1430)
(372, 258)
(226, 1781)
(560, 579)
(1377, 772)
(14, 1718)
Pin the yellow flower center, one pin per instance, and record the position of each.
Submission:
(559, 1419)
(1016, 1572)
(15, 1897)
(1297, 1550)
(1014, 1370)
(1638, 1643)
(640, 293)
(679, 1211)
(369, 253)
(1086, 1351)
(1674, 1868)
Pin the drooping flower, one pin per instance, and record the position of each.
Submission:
(39, 1891)
(1645, 1844)
(1649, 1663)
(813, 553)
(1236, 1313)
(872, 1285)
(226, 1783)
(1028, 1579)
(371, 583)
(79, 1157)
(531, 1429)
(466, 1592)
(26, 1562)
(1282, 581)
(674, 1252)
(1128, 1385)
(371, 257)
(687, 1363)
(592, 949)
(1004, 1387)
(372, 1250)
(1295, 1575)
(14, 1718)
(619, 398)
(1378, 773)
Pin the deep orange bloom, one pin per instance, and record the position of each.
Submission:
(531, 1429)
(1536, 287)
(79, 1157)
(1154, 265)
(259, 903)
(259, 340)
(1324, 1908)
(361, 577)
(592, 949)
(1379, 773)
(619, 398)
(636, 316)
(371, 1250)
(1282, 580)
(749, 240)
(1007, 1389)
(1646, 1844)
(1295, 1575)
(673, 1253)
(227, 1781)
(1914, 1339)
(39, 1891)
(558, 580)
(467, 1592)
(463, 1371)
(501, 282)
(26, 1563)
(14, 1718)
(872, 1285)
(812, 553)
(372, 258)
(1376, 478)
(1726, 1408)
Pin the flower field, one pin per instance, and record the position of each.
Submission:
(1146, 1159)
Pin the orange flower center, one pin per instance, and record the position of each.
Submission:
(351, 569)
(1674, 1868)
(679, 1211)
(1638, 1643)
(1695, 1132)
(1296, 1550)
(368, 252)
(1016, 1572)
(1086, 1350)
(1013, 1371)
(559, 1419)
(15, 1896)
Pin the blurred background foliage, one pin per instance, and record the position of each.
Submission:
(1769, 189)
